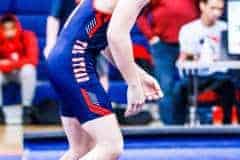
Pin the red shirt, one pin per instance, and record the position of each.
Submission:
(167, 17)
(21, 50)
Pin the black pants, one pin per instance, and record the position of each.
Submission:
(219, 83)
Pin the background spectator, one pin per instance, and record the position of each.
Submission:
(200, 41)
(161, 22)
(141, 50)
(18, 60)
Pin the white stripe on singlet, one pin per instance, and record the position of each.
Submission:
(72, 14)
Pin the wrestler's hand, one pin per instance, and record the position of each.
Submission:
(135, 99)
(152, 90)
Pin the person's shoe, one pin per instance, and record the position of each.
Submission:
(2, 116)
(27, 115)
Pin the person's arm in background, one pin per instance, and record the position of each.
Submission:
(31, 50)
(53, 26)
(187, 47)
(102, 69)
(7, 65)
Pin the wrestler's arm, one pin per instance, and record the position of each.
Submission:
(108, 55)
(152, 89)
(122, 21)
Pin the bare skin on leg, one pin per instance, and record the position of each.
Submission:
(108, 138)
(80, 142)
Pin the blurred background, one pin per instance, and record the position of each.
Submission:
(192, 47)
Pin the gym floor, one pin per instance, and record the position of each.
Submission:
(205, 143)
(11, 142)
(144, 143)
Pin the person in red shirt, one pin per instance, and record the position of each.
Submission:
(161, 22)
(18, 60)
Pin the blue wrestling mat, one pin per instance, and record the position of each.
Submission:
(175, 143)
(2, 157)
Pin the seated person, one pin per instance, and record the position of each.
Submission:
(18, 60)
(200, 41)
